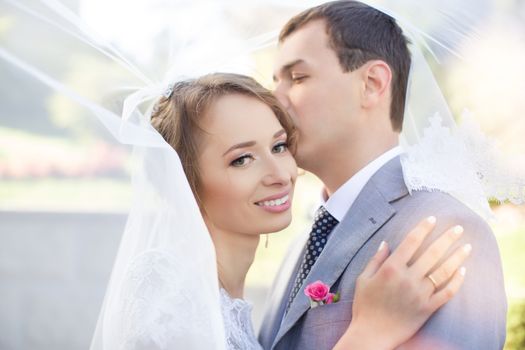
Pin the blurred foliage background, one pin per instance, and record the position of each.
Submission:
(54, 158)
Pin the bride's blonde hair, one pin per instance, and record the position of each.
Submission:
(177, 117)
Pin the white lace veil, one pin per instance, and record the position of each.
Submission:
(439, 154)
(163, 292)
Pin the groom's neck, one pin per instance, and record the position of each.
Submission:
(343, 163)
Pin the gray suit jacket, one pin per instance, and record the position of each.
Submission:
(384, 210)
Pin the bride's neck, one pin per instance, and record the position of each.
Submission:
(235, 254)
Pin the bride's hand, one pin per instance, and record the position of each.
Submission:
(395, 295)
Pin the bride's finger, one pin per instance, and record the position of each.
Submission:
(412, 241)
(377, 260)
(447, 269)
(435, 252)
(446, 293)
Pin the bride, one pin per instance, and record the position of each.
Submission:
(236, 146)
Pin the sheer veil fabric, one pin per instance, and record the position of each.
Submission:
(163, 292)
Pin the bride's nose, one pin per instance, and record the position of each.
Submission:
(276, 173)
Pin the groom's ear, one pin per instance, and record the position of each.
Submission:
(377, 77)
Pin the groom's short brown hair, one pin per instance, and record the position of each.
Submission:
(359, 33)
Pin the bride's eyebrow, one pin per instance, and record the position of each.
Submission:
(279, 133)
(240, 145)
(251, 143)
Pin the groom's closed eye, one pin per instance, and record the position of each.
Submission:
(298, 78)
(286, 70)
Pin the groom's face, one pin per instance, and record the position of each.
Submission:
(322, 99)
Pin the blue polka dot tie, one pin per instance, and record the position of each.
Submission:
(324, 224)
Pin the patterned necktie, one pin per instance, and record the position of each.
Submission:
(323, 225)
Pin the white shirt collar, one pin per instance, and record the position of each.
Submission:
(342, 199)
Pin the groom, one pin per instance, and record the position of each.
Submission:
(341, 71)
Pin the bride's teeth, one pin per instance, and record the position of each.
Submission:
(275, 202)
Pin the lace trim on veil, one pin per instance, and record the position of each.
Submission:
(464, 163)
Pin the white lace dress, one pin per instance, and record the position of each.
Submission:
(237, 314)
(156, 310)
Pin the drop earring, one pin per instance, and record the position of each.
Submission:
(266, 243)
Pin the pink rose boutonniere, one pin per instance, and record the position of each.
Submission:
(319, 294)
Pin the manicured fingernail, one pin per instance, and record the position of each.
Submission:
(462, 271)
(458, 229)
(381, 246)
(467, 248)
(431, 219)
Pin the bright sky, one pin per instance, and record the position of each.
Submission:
(140, 21)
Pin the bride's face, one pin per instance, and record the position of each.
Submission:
(247, 172)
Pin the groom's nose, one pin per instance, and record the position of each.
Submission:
(282, 95)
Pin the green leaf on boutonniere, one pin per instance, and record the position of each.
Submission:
(337, 296)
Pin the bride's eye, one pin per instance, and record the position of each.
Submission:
(242, 160)
(281, 147)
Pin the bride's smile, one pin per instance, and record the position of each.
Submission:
(250, 171)
(276, 204)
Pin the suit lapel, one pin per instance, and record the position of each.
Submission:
(370, 211)
(281, 288)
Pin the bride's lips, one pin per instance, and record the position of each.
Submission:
(277, 203)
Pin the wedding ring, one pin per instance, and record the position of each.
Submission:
(434, 283)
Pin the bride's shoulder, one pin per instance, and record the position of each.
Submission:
(237, 322)
(152, 259)
(154, 293)
(230, 303)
